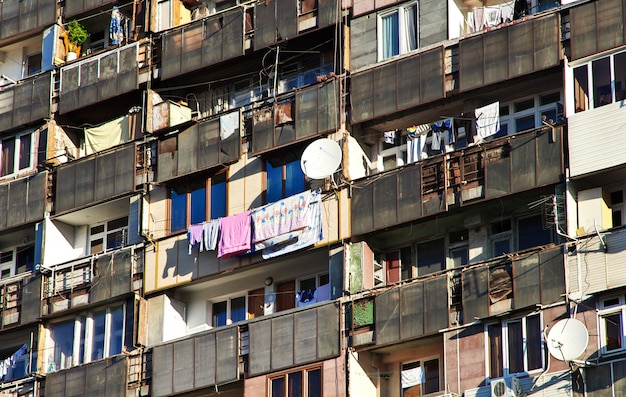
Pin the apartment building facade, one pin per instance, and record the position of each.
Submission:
(160, 234)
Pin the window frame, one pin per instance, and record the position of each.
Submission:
(422, 363)
(605, 310)
(82, 338)
(210, 198)
(9, 264)
(104, 234)
(589, 102)
(287, 189)
(229, 307)
(503, 326)
(401, 11)
(386, 150)
(305, 381)
(17, 153)
(538, 110)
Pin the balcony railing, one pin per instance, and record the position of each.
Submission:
(596, 26)
(307, 113)
(509, 52)
(501, 167)
(24, 200)
(90, 280)
(25, 102)
(100, 77)
(96, 178)
(398, 85)
(20, 298)
(23, 16)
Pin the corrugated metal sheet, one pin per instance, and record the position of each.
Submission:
(588, 155)
(615, 258)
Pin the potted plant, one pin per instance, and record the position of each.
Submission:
(73, 38)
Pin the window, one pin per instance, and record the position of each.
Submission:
(7, 264)
(398, 265)
(303, 383)
(514, 346)
(33, 64)
(108, 236)
(392, 152)
(529, 113)
(611, 314)
(190, 204)
(283, 180)
(430, 257)
(398, 31)
(16, 154)
(600, 82)
(420, 378)
(617, 204)
(86, 338)
(458, 248)
(501, 237)
(531, 232)
(309, 290)
(229, 311)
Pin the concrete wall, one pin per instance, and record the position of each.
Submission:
(59, 244)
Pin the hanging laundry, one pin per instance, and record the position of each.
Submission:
(229, 124)
(492, 16)
(282, 217)
(389, 137)
(235, 235)
(488, 120)
(194, 236)
(412, 377)
(506, 11)
(210, 231)
(107, 135)
(479, 18)
(415, 148)
(116, 30)
(435, 144)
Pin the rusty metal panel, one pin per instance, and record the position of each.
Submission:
(37, 194)
(526, 278)
(192, 47)
(40, 104)
(233, 34)
(305, 334)
(362, 208)
(412, 310)
(471, 54)
(496, 55)
(287, 19)
(172, 54)
(262, 130)
(307, 112)
(409, 77)
(432, 75)
(362, 96)
(328, 331)
(212, 41)
(160, 116)
(547, 44)
(475, 294)
(327, 12)
(552, 276)
(227, 343)
(107, 82)
(68, 96)
(162, 370)
(184, 365)
(435, 304)
(17, 202)
(385, 201)
(205, 360)
(282, 342)
(385, 89)
(260, 347)
(497, 171)
(264, 24)
(22, 103)
(387, 311)
(521, 49)
(55, 384)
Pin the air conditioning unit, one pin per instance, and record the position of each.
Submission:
(506, 387)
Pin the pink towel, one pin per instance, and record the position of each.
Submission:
(235, 234)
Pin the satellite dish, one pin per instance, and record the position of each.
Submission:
(321, 158)
(567, 340)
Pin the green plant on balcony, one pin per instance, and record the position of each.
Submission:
(74, 37)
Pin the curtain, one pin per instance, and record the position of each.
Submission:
(410, 36)
(391, 42)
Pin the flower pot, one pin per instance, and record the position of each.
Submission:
(71, 56)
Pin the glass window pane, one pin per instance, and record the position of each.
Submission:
(613, 328)
(295, 384)
(25, 152)
(218, 196)
(117, 223)
(533, 342)
(459, 256)
(116, 239)
(278, 387)
(431, 257)
(581, 88)
(116, 330)
(63, 337)
(83, 330)
(620, 76)
(390, 37)
(274, 183)
(502, 246)
(238, 309)
(525, 123)
(431, 373)
(516, 352)
(178, 210)
(219, 314)
(97, 246)
(315, 383)
(531, 233)
(294, 178)
(198, 205)
(99, 322)
(601, 70)
(8, 156)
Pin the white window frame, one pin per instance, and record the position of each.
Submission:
(229, 313)
(403, 46)
(86, 320)
(398, 151)
(103, 235)
(590, 88)
(10, 265)
(505, 235)
(605, 309)
(510, 120)
(16, 155)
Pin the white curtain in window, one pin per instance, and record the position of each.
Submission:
(410, 40)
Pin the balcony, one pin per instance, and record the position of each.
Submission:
(495, 169)
(595, 27)
(17, 17)
(398, 85)
(307, 113)
(20, 297)
(204, 145)
(24, 200)
(508, 52)
(73, 8)
(110, 377)
(223, 36)
(100, 77)
(90, 280)
(95, 179)
(25, 102)
(598, 263)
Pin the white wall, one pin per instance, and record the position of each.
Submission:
(356, 159)
(15, 56)
(456, 20)
(174, 325)
(58, 243)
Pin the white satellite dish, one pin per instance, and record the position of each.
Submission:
(567, 340)
(321, 158)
